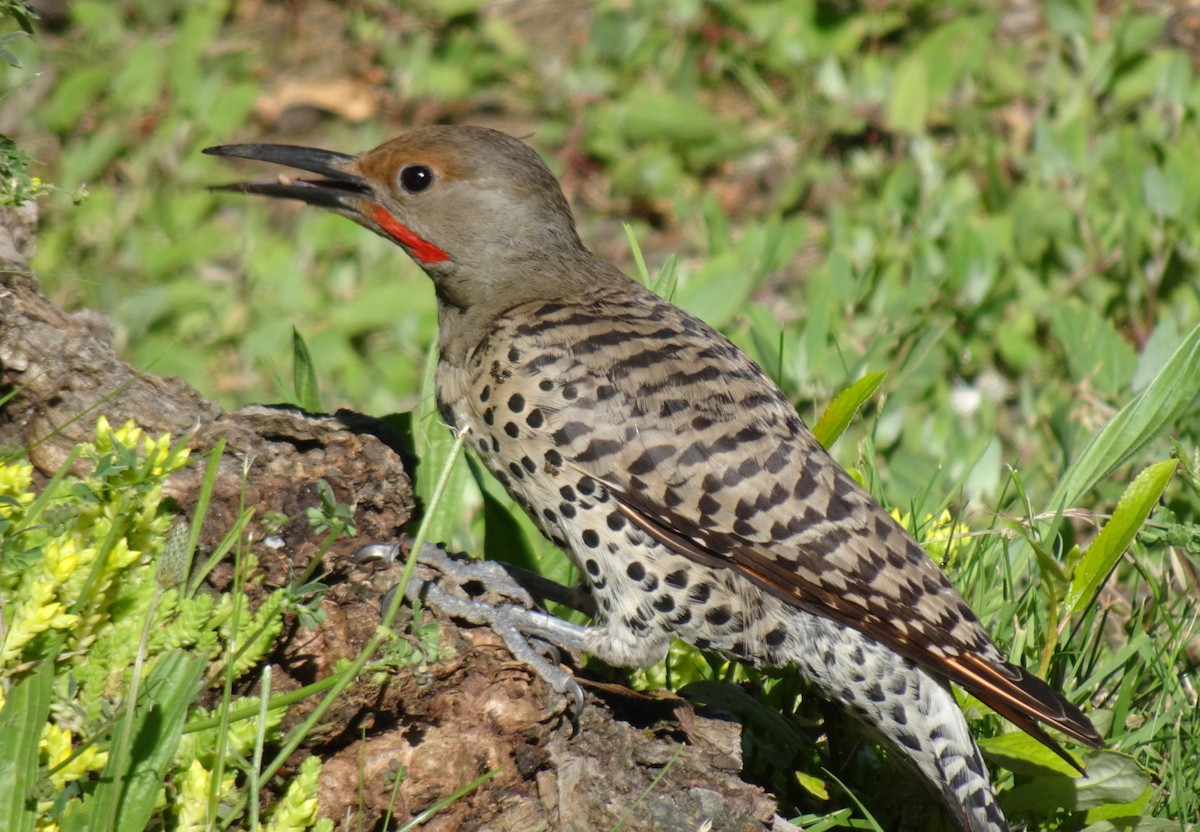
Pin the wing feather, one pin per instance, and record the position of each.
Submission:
(701, 451)
(1011, 691)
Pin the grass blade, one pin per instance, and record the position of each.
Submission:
(21, 725)
(304, 375)
(1132, 510)
(841, 411)
(131, 783)
(1160, 404)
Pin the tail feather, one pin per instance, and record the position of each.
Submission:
(1024, 699)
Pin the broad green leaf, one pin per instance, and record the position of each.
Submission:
(1111, 778)
(717, 290)
(304, 375)
(1123, 811)
(435, 446)
(1018, 752)
(21, 725)
(1160, 404)
(1161, 194)
(813, 785)
(170, 688)
(1132, 510)
(845, 405)
(649, 114)
(1133, 824)
(908, 107)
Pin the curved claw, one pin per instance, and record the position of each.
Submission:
(534, 637)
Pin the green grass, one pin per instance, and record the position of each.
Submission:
(1003, 217)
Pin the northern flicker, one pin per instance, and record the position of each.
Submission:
(678, 478)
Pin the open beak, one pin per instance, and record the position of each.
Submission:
(337, 188)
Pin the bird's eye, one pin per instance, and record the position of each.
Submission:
(415, 178)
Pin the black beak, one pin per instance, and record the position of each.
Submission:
(337, 189)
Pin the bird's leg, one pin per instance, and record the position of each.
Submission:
(575, 597)
(443, 582)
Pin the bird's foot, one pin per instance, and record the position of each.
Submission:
(454, 585)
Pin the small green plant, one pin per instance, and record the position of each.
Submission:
(105, 652)
(1003, 222)
(24, 17)
(17, 185)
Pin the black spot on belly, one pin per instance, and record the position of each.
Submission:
(718, 615)
(677, 579)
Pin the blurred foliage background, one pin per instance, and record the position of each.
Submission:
(995, 201)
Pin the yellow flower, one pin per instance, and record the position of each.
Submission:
(942, 536)
(297, 809)
(15, 480)
(192, 802)
(61, 557)
(56, 745)
(36, 614)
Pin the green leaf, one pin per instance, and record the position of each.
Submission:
(845, 405)
(304, 375)
(8, 57)
(1096, 352)
(648, 115)
(1160, 404)
(1022, 754)
(716, 291)
(171, 688)
(21, 725)
(1163, 195)
(1133, 824)
(1132, 510)
(435, 447)
(1111, 778)
(908, 107)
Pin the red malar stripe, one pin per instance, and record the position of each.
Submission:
(421, 249)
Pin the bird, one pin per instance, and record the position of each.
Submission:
(677, 477)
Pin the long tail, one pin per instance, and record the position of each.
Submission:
(913, 711)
